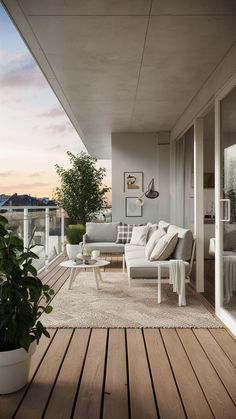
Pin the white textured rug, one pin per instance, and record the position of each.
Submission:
(118, 305)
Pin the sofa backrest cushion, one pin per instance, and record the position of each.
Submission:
(163, 225)
(101, 232)
(183, 249)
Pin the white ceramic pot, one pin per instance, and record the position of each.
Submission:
(73, 250)
(14, 368)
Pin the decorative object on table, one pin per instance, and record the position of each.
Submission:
(133, 181)
(95, 254)
(23, 298)
(151, 193)
(90, 261)
(131, 207)
(74, 235)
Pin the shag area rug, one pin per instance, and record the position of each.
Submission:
(118, 305)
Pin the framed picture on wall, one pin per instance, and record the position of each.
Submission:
(131, 207)
(133, 181)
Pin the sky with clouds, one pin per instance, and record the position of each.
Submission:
(35, 132)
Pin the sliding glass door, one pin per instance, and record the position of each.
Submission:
(226, 208)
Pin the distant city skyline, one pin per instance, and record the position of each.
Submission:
(35, 132)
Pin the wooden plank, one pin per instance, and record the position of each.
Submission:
(62, 398)
(10, 402)
(54, 265)
(215, 392)
(57, 282)
(58, 270)
(163, 380)
(116, 395)
(142, 401)
(38, 394)
(193, 398)
(227, 343)
(219, 360)
(88, 404)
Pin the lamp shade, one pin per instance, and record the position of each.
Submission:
(151, 192)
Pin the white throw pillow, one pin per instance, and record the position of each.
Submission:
(164, 247)
(139, 235)
(155, 237)
(152, 229)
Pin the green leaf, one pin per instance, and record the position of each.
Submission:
(48, 309)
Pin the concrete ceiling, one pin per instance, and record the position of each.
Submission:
(127, 65)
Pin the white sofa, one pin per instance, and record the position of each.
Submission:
(102, 236)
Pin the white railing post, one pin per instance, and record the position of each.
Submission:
(26, 228)
(62, 230)
(46, 237)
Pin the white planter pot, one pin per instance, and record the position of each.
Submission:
(73, 250)
(14, 368)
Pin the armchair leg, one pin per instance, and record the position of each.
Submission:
(159, 284)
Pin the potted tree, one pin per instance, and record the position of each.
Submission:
(74, 235)
(23, 298)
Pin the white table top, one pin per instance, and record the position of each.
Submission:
(99, 263)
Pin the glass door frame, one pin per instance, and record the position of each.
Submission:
(221, 312)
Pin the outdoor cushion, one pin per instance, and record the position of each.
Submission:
(156, 236)
(143, 268)
(152, 229)
(164, 247)
(124, 233)
(164, 225)
(139, 235)
(107, 247)
(184, 246)
(101, 232)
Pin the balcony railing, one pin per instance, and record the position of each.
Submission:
(48, 226)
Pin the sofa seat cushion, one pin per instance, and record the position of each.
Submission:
(135, 254)
(143, 268)
(101, 232)
(130, 248)
(183, 249)
(107, 247)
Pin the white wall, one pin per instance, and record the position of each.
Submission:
(140, 152)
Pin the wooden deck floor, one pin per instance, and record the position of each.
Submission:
(127, 373)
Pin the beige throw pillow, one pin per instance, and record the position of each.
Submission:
(155, 237)
(139, 235)
(164, 247)
(152, 229)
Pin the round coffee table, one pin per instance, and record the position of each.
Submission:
(76, 269)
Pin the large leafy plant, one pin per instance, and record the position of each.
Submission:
(82, 193)
(23, 297)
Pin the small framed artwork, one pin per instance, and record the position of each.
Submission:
(209, 180)
(131, 207)
(133, 181)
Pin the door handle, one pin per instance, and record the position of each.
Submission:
(227, 219)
